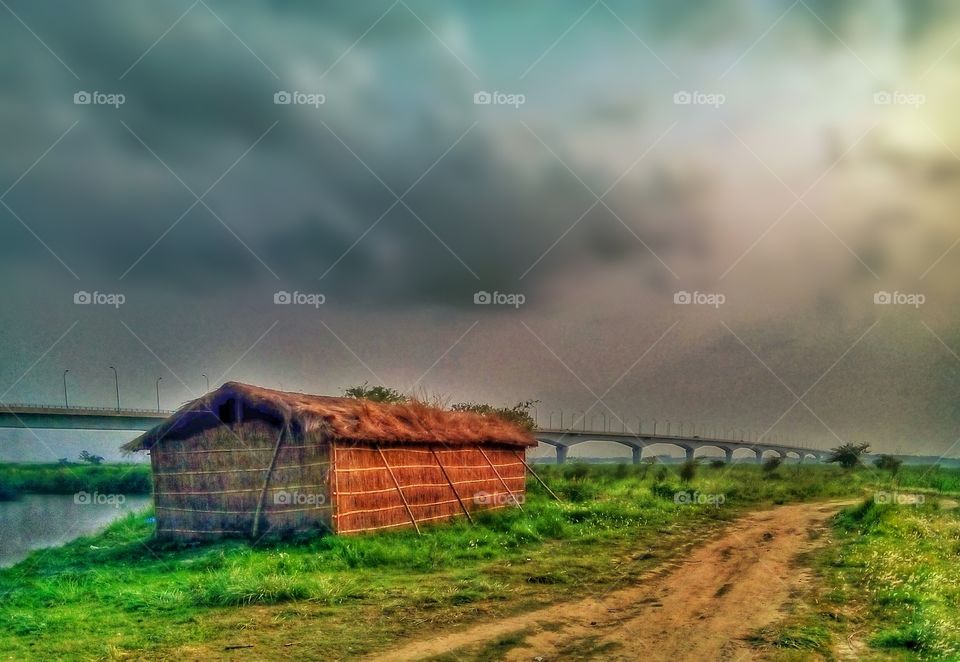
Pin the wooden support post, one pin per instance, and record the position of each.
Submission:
(502, 482)
(539, 479)
(266, 482)
(336, 487)
(452, 486)
(399, 491)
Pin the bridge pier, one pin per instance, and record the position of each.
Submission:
(759, 452)
(728, 455)
(689, 452)
(562, 454)
(637, 454)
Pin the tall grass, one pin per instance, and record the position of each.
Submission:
(895, 567)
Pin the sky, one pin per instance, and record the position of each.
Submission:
(737, 213)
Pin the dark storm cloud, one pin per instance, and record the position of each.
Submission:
(499, 201)
(299, 199)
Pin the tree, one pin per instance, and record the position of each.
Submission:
(86, 456)
(688, 470)
(375, 394)
(848, 455)
(888, 463)
(519, 413)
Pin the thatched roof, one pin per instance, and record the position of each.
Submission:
(340, 419)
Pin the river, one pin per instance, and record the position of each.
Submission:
(48, 520)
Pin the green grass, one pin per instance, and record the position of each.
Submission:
(899, 566)
(888, 587)
(120, 593)
(18, 479)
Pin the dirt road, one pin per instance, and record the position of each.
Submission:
(700, 608)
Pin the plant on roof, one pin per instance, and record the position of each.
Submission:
(518, 414)
(375, 394)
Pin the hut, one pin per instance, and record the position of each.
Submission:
(249, 461)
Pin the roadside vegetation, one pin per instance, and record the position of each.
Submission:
(888, 587)
(121, 594)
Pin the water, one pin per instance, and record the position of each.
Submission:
(49, 520)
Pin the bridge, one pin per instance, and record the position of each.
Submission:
(563, 439)
(51, 417)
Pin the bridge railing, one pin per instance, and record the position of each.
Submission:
(576, 422)
(26, 405)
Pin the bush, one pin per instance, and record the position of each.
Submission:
(771, 464)
(688, 471)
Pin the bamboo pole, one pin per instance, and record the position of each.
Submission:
(399, 491)
(336, 486)
(534, 474)
(452, 486)
(266, 482)
(502, 481)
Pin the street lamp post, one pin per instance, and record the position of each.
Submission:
(208, 383)
(116, 381)
(158, 393)
(66, 402)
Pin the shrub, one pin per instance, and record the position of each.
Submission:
(771, 464)
(688, 471)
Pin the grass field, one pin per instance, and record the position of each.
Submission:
(120, 593)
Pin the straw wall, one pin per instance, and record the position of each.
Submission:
(209, 484)
(366, 496)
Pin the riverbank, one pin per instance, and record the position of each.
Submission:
(73, 478)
